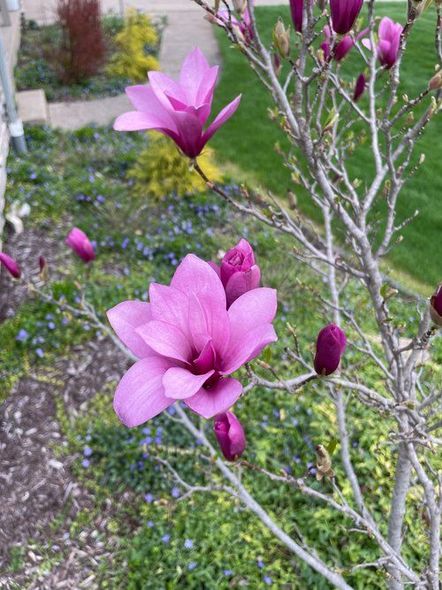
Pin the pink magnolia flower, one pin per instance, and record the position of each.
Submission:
(343, 14)
(230, 435)
(330, 346)
(11, 265)
(436, 306)
(238, 271)
(80, 244)
(243, 25)
(389, 42)
(178, 109)
(188, 343)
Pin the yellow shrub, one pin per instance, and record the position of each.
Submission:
(135, 45)
(161, 169)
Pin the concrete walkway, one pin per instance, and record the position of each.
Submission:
(186, 28)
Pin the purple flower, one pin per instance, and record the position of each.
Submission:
(39, 352)
(238, 271)
(178, 109)
(149, 498)
(188, 544)
(436, 306)
(389, 42)
(165, 539)
(343, 14)
(296, 9)
(342, 48)
(22, 335)
(330, 346)
(80, 244)
(175, 492)
(230, 435)
(85, 463)
(87, 451)
(188, 343)
(267, 580)
(359, 87)
(11, 265)
(192, 565)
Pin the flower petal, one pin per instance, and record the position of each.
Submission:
(125, 318)
(170, 305)
(208, 320)
(252, 309)
(247, 348)
(140, 394)
(194, 275)
(166, 340)
(242, 282)
(180, 383)
(194, 71)
(222, 118)
(217, 399)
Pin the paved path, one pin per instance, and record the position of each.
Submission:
(186, 28)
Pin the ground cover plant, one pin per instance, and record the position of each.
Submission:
(301, 417)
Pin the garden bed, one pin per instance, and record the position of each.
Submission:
(38, 64)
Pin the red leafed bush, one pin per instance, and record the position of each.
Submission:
(82, 46)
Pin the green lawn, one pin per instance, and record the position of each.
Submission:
(250, 136)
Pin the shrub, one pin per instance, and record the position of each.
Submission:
(136, 44)
(161, 169)
(82, 46)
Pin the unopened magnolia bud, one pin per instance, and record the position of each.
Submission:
(42, 263)
(436, 306)
(281, 39)
(276, 63)
(10, 265)
(436, 81)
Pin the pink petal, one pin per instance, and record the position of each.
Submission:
(253, 309)
(190, 133)
(207, 87)
(215, 267)
(180, 383)
(145, 100)
(170, 305)
(217, 399)
(206, 359)
(208, 320)
(166, 340)
(140, 394)
(242, 282)
(165, 87)
(194, 70)
(125, 318)
(136, 121)
(247, 348)
(222, 118)
(194, 275)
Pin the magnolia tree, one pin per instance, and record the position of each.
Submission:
(192, 336)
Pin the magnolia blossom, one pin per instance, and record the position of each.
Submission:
(178, 109)
(80, 244)
(230, 435)
(238, 271)
(188, 343)
(389, 42)
(343, 14)
(436, 306)
(242, 26)
(11, 265)
(330, 346)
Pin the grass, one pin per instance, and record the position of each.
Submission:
(250, 137)
(81, 179)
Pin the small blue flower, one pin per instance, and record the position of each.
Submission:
(87, 451)
(149, 498)
(188, 544)
(22, 335)
(192, 565)
(165, 539)
(39, 352)
(267, 580)
(228, 573)
(85, 463)
(260, 563)
(150, 524)
(175, 492)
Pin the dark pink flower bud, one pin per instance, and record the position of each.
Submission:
(359, 87)
(11, 266)
(330, 346)
(343, 14)
(436, 306)
(80, 244)
(42, 263)
(238, 271)
(296, 9)
(230, 435)
(389, 42)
